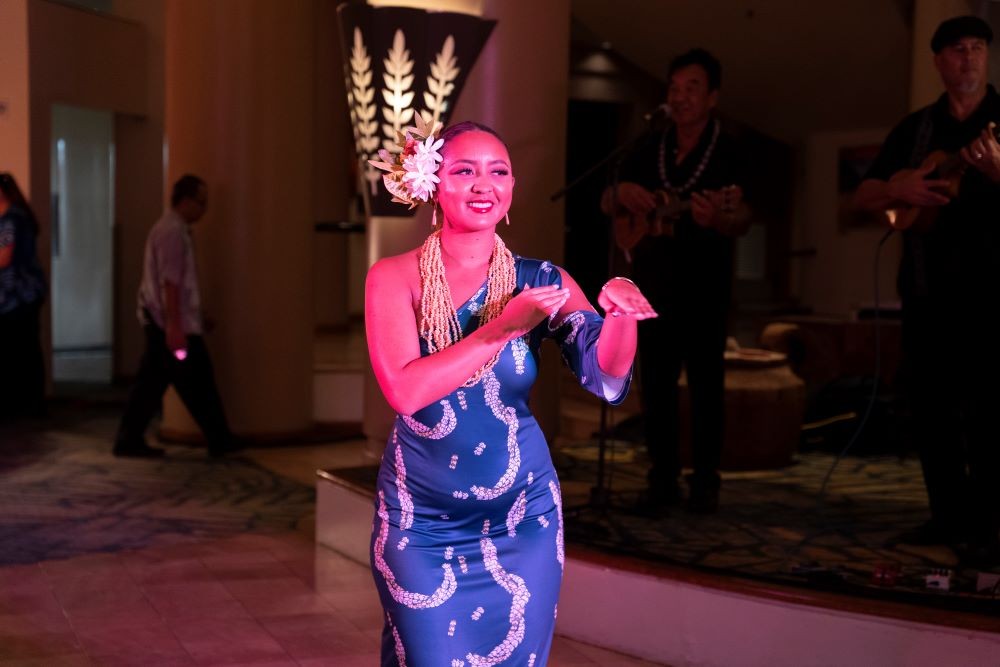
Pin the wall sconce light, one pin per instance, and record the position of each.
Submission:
(399, 62)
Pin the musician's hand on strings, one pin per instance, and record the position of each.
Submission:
(703, 209)
(634, 198)
(727, 200)
(984, 154)
(913, 187)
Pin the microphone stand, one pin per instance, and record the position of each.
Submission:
(600, 495)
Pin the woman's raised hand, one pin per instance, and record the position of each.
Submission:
(620, 296)
(531, 306)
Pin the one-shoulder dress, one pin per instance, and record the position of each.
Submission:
(467, 542)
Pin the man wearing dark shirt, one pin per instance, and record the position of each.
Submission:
(685, 267)
(947, 283)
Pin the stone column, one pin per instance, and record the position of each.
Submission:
(239, 113)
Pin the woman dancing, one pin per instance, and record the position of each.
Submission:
(467, 547)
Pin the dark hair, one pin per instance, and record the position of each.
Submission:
(186, 187)
(702, 58)
(453, 131)
(13, 194)
(954, 29)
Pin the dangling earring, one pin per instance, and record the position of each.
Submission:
(506, 217)
(434, 216)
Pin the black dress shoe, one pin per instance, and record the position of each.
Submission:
(140, 451)
(229, 447)
(657, 500)
(984, 557)
(930, 533)
(703, 500)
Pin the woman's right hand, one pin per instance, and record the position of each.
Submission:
(526, 310)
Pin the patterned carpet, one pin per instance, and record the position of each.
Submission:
(773, 525)
(63, 494)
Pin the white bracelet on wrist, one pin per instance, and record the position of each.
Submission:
(618, 278)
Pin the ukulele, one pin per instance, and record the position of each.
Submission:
(947, 166)
(662, 218)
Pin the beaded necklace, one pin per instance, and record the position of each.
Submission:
(439, 325)
(706, 156)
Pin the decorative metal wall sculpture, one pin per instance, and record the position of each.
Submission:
(399, 62)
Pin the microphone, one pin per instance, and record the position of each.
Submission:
(661, 112)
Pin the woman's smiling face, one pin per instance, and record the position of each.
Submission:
(476, 181)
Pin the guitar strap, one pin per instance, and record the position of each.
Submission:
(913, 239)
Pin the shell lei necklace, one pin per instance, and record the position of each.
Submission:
(439, 325)
(706, 156)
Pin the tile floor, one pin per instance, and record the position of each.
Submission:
(253, 599)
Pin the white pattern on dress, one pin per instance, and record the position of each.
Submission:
(400, 651)
(405, 499)
(574, 320)
(514, 585)
(520, 350)
(516, 513)
(507, 415)
(412, 600)
(443, 428)
(560, 547)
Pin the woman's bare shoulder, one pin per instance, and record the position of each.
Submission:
(396, 266)
(396, 269)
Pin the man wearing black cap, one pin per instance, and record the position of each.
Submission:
(948, 285)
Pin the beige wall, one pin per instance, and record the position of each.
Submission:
(240, 105)
(15, 101)
(840, 278)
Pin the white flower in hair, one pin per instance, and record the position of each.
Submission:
(410, 173)
(421, 168)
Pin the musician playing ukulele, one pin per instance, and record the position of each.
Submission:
(683, 258)
(939, 174)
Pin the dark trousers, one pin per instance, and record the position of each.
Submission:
(952, 398)
(194, 381)
(695, 340)
(22, 389)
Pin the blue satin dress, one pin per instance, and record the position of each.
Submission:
(467, 543)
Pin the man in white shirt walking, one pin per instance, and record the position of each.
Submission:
(170, 312)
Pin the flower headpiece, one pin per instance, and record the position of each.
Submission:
(411, 173)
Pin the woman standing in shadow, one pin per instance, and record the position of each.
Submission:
(22, 292)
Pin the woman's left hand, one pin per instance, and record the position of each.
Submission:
(621, 296)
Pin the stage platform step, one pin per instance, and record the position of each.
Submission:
(339, 362)
(680, 616)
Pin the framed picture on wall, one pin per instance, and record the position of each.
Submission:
(853, 163)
